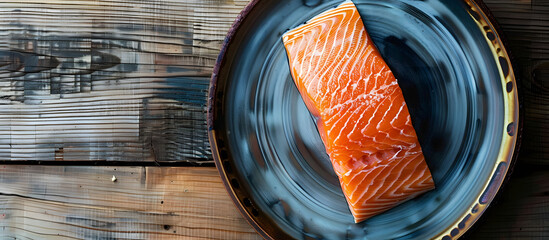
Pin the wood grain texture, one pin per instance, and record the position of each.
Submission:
(116, 80)
(525, 24)
(53, 202)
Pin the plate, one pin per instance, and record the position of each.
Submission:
(460, 88)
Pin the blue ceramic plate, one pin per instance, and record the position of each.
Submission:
(460, 88)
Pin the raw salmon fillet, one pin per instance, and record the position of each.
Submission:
(361, 113)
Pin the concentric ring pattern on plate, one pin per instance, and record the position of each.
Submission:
(458, 84)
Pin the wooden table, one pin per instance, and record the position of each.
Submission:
(102, 121)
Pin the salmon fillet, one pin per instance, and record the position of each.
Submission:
(361, 114)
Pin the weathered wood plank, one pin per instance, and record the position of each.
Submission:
(52, 202)
(526, 27)
(117, 80)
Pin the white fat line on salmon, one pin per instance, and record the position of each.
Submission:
(348, 119)
(332, 26)
(405, 165)
(371, 181)
(347, 60)
(391, 168)
(391, 104)
(337, 63)
(354, 84)
(314, 41)
(324, 49)
(363, 68)
(402, 107)
(365, 52)
(370, 119)
(368, 98)
(334, 43)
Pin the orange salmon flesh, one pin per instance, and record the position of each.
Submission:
(362, 117)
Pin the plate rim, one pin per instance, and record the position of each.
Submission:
(484, 18)
(210, 118)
